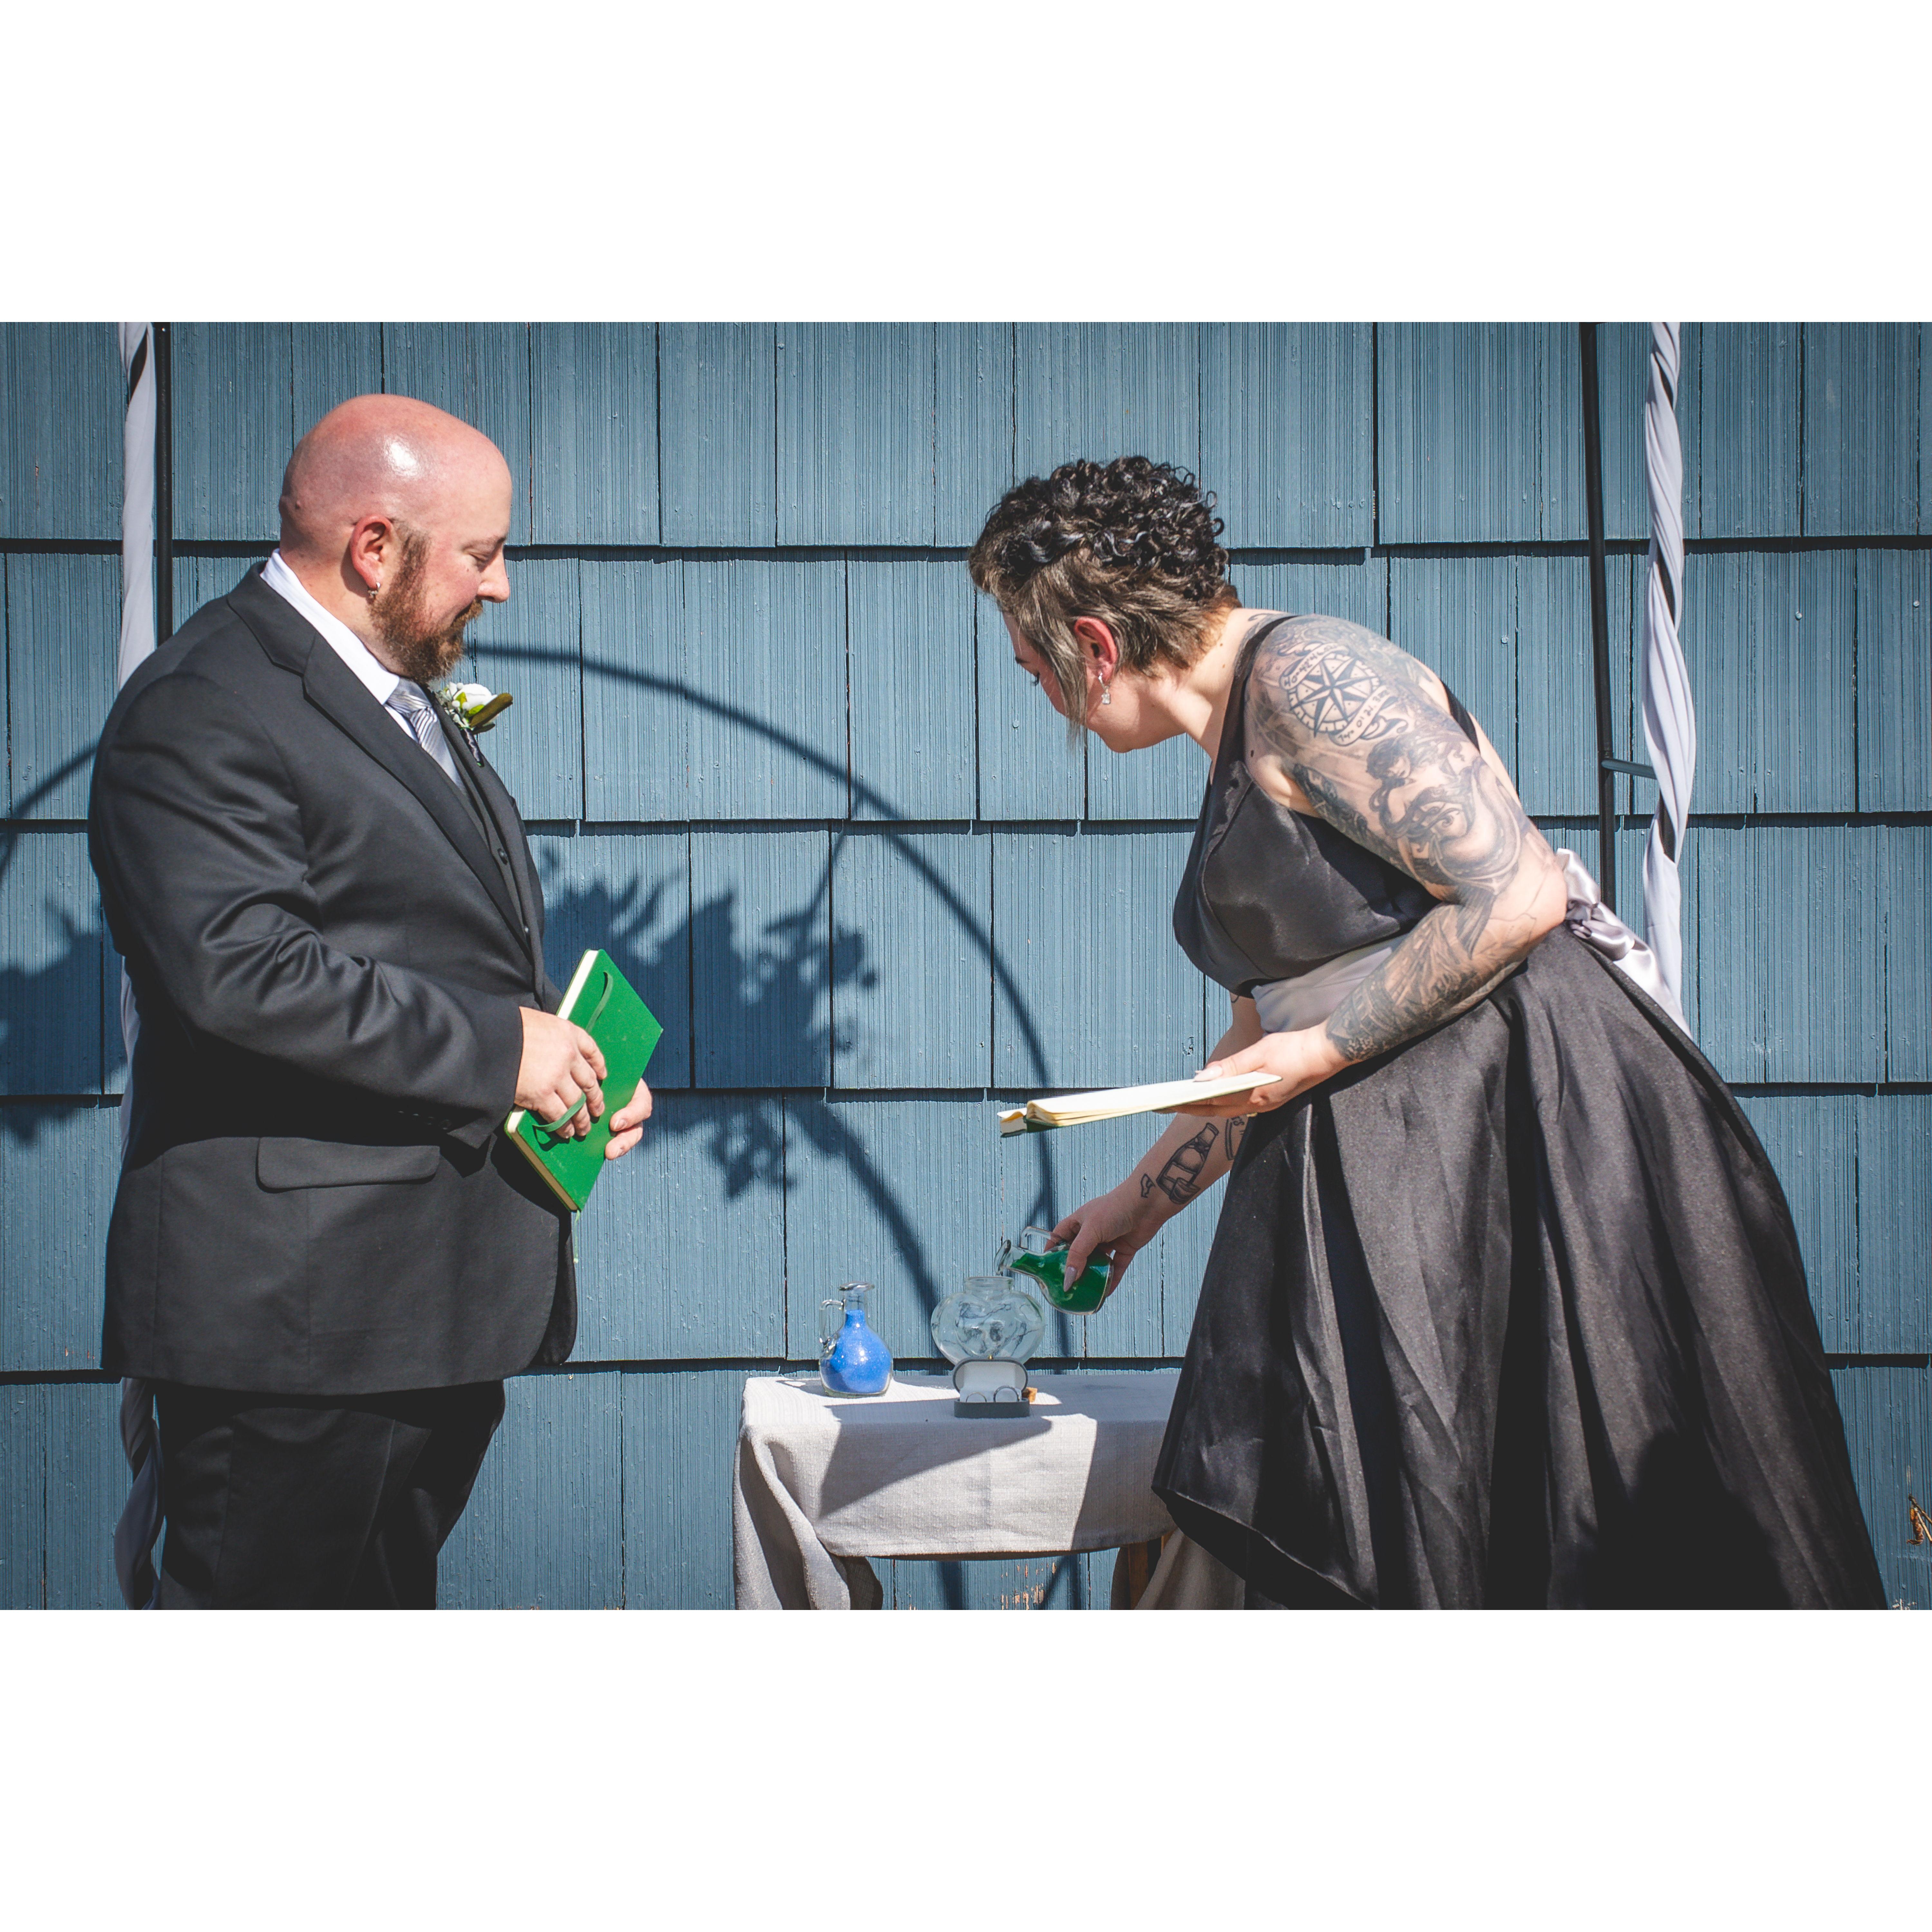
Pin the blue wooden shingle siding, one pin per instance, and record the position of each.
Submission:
(1458, 614)
(1081, 919)
(1894, 706)
(1789, 965)
(60, 390)
(1771, 638)
(234, 416)
(1906, 917)
(1739, 412)
(911, 995)
(855, 432)
(58, 1162)
(1299, 473)
(733, 669)
(1888, 1412)
(910, 641)
(692, 1239)
(1103, 389)
(973, 426)
(531, 647)
(717, 433)
(331, 361)
(593, 433)
(63, 614)
(62, 1484)
(1861, 454)
(762, 958)
(1479, 433)
(778, 759)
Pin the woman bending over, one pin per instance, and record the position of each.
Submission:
(1504, 1305)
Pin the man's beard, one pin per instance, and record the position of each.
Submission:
(424, 649)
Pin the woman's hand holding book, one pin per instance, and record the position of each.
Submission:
(1300, 1060)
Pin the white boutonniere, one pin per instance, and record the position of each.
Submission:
(471, 708)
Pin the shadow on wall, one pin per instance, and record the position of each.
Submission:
(772, 985)
(747, 1145)
(774, 982)
(50, 1008)
(47, 1011)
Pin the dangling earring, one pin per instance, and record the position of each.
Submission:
(1106, 693)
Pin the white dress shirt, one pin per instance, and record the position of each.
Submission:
(375, 676)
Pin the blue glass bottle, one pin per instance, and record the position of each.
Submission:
(852, 1359)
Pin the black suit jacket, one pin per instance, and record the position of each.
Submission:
(328, 944)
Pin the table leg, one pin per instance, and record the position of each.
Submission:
(1132, 1567)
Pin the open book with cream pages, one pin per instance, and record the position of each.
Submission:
(1111, 1103)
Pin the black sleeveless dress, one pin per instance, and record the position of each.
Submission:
(1512, 1315)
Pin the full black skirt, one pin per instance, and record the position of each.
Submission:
(1515, 1316)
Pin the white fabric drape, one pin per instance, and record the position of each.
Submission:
(1669, 718)
(137, 577)
(137, 499)
(822, 1485)
(140, 1521)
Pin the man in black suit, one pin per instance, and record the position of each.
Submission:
(323, 1253)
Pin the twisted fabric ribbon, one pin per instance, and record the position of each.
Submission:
(140, 1521)
(1669, 718)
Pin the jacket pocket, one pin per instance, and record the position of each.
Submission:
(282, 1163)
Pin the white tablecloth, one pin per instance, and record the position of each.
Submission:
(823, 1483)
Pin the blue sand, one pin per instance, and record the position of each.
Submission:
(859, 1363)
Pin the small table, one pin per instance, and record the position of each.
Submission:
(822, 1484)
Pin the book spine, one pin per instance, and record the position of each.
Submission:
(550, 1181)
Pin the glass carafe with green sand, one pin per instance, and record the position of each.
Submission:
(1035, 1254)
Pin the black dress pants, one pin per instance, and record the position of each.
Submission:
(319, 1502)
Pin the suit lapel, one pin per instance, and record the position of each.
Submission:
(334, 690)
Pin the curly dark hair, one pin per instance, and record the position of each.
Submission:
(1132, 542)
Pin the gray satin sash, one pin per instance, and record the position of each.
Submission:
(1285, 1006)
(1593, 923)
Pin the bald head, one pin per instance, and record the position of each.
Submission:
(394, 515)
(387, 456)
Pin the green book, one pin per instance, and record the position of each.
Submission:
(604, 1002)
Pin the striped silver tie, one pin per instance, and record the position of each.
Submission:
(410, 703)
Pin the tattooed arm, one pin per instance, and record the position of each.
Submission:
(1342, 723)
(1186, 1161)
(1185, 1172)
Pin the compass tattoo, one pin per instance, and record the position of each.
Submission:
(1360, 726)
(1334, 694)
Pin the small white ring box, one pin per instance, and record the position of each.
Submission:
(991, 1391)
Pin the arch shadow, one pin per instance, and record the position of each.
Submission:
(777, 982)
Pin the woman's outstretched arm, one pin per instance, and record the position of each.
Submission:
(1186, 1161)
(1357, 728)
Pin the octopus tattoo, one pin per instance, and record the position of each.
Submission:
(1357, 724)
